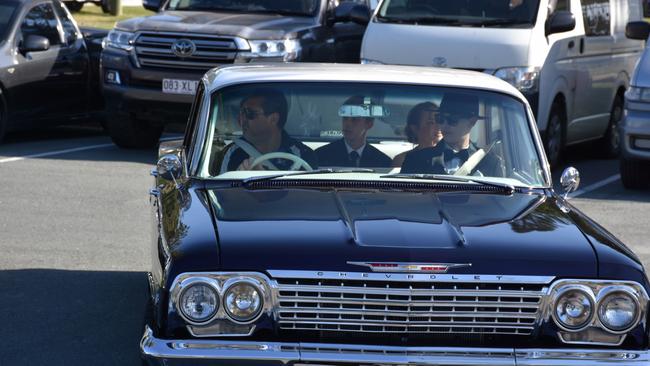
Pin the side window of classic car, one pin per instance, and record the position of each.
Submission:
(40, 20)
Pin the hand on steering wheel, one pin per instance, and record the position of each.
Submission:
(298, 162)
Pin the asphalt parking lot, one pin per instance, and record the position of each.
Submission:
(75, 233)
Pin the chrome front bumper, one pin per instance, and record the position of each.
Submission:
(233, 353)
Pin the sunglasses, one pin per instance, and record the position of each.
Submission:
(452, 119)
(249, 114)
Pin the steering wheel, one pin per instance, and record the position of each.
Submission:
(298, 162)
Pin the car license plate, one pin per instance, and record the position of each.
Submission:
(179, 86)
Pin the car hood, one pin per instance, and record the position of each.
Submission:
(457, 47)
(245, 25)
(323, 230)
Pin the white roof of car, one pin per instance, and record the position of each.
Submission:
(415, 75)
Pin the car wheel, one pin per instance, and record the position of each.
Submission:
(635, 174)
(106, 7)
(554, 139)
(74, 6)
(132, 133)
(610, 144)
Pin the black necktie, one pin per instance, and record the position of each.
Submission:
(354, 158)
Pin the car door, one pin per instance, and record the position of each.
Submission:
(596, 73)
(347, 38)
(32, 87)
(74, 65)
(336, 41)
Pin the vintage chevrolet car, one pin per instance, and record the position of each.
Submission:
(297, 223)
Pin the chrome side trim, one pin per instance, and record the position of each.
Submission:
(170, 352)
(413, 277)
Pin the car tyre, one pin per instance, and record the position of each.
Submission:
(106, 7)
(74, 6)
(635, 174)
(610, 145)
(554, 137)
(132, 133)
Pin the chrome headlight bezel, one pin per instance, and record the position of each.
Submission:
(600, 289)
(221, 324)
(193, 282)
(589, 296)
(256, 285)
(611, 291)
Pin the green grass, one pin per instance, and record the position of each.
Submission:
(92, 16)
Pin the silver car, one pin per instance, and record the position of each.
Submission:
(635, 128)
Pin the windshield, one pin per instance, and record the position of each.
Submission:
(285, 7)
(377, 127)
(479, 13)
(7, 10)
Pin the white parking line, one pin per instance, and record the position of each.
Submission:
(66, 151)
(593, 187)
(50, 153)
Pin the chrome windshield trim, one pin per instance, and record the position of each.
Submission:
(172, 351)
(415, 277)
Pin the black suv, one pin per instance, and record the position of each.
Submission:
(151, 65)
(48, 66)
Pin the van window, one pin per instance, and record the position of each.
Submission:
(596, 17)
(477, 13)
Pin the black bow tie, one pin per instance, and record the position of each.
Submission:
(462, 155)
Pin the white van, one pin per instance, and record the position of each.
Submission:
(570, 58)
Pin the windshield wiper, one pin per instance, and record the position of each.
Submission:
(261, 178)
(507, 188)
(420, 20)
(497, 22)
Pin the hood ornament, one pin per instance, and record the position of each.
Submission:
(410, 267)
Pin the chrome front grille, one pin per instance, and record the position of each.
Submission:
(409, 307)
(154, 50)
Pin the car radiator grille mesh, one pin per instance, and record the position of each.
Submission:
(405, 307)
(154, 50)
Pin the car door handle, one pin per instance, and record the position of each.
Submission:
(582, 45)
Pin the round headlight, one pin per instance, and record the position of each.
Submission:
(617, 311)
(243, 301)
(573, 309)
(199, 302)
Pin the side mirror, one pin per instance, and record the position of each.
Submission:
(352, 12)
(637, 30)
(170, 167)
(570, 180)
(560, 21)
(35, 43)
(153, 5)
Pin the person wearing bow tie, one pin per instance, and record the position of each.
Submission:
(352, 150)
(458, 114)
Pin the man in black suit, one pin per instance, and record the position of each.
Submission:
(459, 112)
(352, 150)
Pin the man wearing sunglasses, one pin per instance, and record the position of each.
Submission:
(357, 114)
(459, 113)
(262, 117)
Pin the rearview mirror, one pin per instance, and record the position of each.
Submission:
(170, 167)
(560, 21)
(637, 30)
(570, 180)
(35, 43)
(352, 12)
